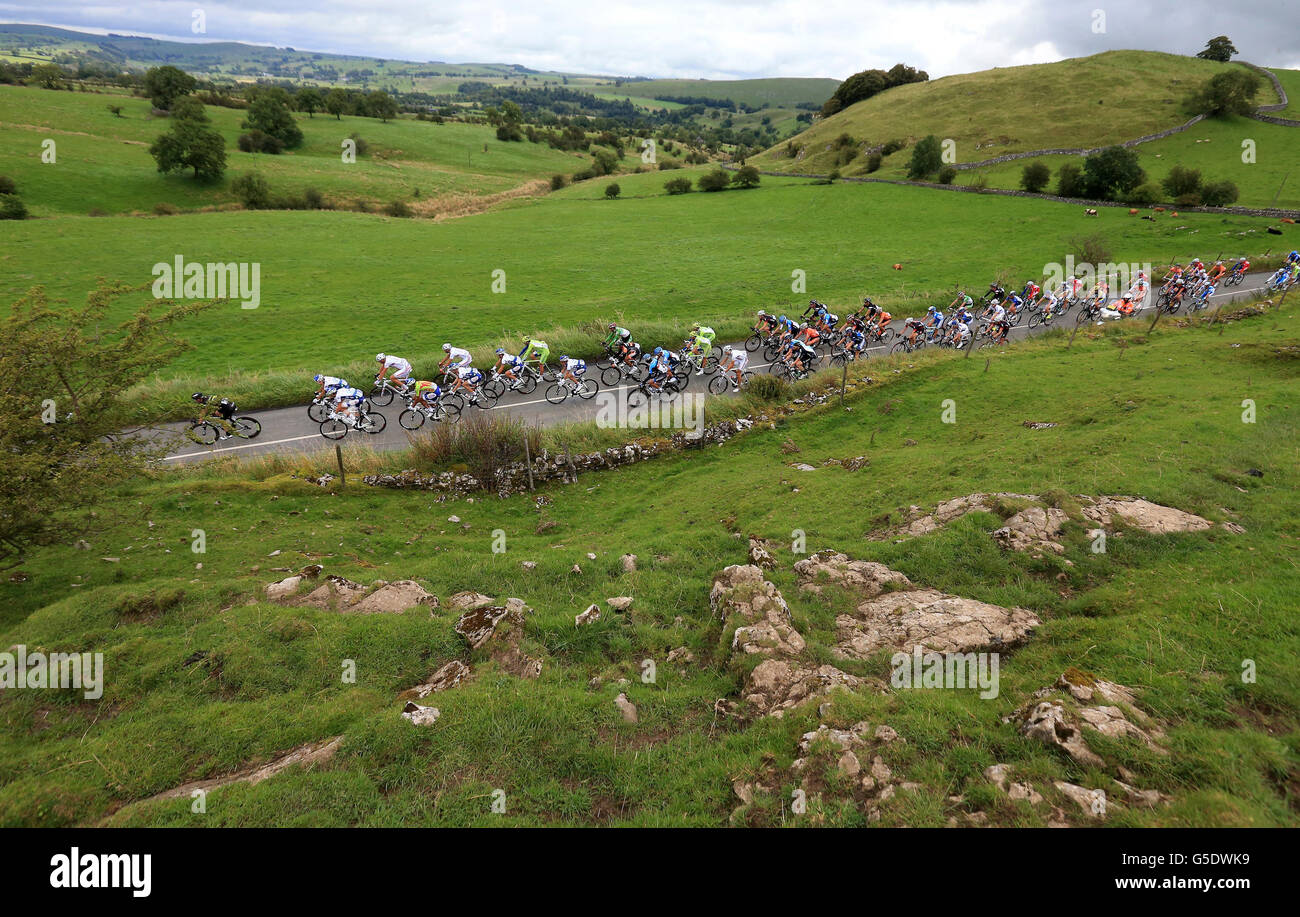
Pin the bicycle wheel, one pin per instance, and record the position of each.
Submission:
(610, 375)
(382, 396)
(753, 342)
(528, 383)
(899, 347)
(495, 387)
(455, 401)
(411, 419)
(247, 427)
(318, 411)
(333, 428)
(718, 384)
(681, 379)
(839, 358)
(557, 394)
(588, 389)
(205, 434)
(449, 412)
(374, 423)
(637, 397)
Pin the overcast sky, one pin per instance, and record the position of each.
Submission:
(713, 39)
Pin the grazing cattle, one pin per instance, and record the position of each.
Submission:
(1158, 209)
(1132, 211)
(1090, 212)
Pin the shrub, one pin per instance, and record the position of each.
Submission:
(1219, 194)
(612, 190)
(677, 185)
(362, 146)
(399, 209)
(252, 190)
(510, 133)
(1191, 199)
(891, 147)
(584, 174)
(927, 158)
(843, 142)
(946, 175)
(768, 388)
(315, 200)
(873, 162)
(1089, 250)
(746, 177)
(1180, 181)
(558, 182)
(717, 180)
(483, 442)
(7, 185)
(256, 141)
(667, 164)
(1034, 177)
(12, 207)
(1145, 195)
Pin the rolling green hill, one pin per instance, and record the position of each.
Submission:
(775, 92)
(1082, 102)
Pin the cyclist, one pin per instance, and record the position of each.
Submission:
(913, 328)
(456, 358)
(508, 365)
(734, 361)
(998, 324)
(466, 379)
(327, 385)
(809, 335)
(934, 319)
(661, 367)
(854, 340)
(617, 339)
(347, 401)
(961, 334)
(398, 370)
(702, 343)
(883, 319)
(1241, 267)
(814, 308)
(1030, 291)
(961, 302)
(803, 354)
(1217, 272)
(1013, 304)
(766, 324)
(572, 369)
(425, 395)
(221, 410)
(535, 352)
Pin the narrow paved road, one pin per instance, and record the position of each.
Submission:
(290, 430)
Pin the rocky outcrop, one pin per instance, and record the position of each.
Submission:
(1062, 714)
(1144, 515)
(832, 568)
(775, 685)
(420, 716)
(335, 593)
(395, 598)
(1033, 529)
(744, 600)
(931, 620)
(500, 628)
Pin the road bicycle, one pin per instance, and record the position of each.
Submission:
(414, 416)
(336, 425)
(206, 432)
(560, 390)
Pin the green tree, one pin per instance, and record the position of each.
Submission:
(1232, 92)
(309, 100)
(1219, 194)
(1220, 49)
(1112, 173)
(190, 143)
(252, 190)
(677, 185)
(746, 177)
(46, 76)
(1034, 177)
(270, 115)
(717, 180)
(927, 158)
(166, 84)
(612, 190)
(57, 460)
(381, 105)
(336, 103)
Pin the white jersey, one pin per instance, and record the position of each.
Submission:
(349, 394)
(333, 382)
(510, 361)
(999, 314)
(460, 356)
(396, 363)
(739, 359)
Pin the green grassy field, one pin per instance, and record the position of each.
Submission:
(571, 259)
(778, 92)
(1290, 80)
(104, 162)
(215, 679)
(1214, 146)
(1082, 102)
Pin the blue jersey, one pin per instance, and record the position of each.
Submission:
(936, 319)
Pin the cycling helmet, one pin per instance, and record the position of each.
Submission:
(726, 348)
(1294, 255)
(198, 396)
(659, 351)
(930, 310)
(695, 327)
(612, 326)
(381, 357)
(446, 347)
(501, 351)
(783, 319)
(564, 359)
(761, 312)
(318, 378)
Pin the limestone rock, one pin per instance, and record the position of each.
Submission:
(420, 716)
(831, 567)
(1049, 723)
(1142, 514)
(480, 624)
(776, 685)
(451, 675)
(740, 596)
(620, 602)
(395, 598)
(932, 620)
(1092, 802)
(283, 589)
(335, 594)
(590, 616)
(469, 601)
(1032, 529)
(628, 561)
(626, 707)
(759, 556)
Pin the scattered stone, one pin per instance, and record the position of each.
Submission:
(529, 565)
(395, 598)
(451, 675)
(111, 560)
(620, 603)
(479, 624)
(832, 567)
(590, 616)
(82, 545)
(776, 685)
(855, 463)
(1050, 724)
(335, 594)
(544, 527)
(469, 601)
(803, 466)
(575, 569)
(681, 654)
(1092, 802)
(453, 519)
(283, 589)
(626, 707)
(420, 716)
(1035, 528)
(311, 571)
(629, 563)
(759, 555)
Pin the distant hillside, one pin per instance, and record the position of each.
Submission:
(1091, 101)
(775, 92)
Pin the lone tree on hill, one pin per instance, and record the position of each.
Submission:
(1220, 49)
(166, 84)
(190, 143)
(1112, 172)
